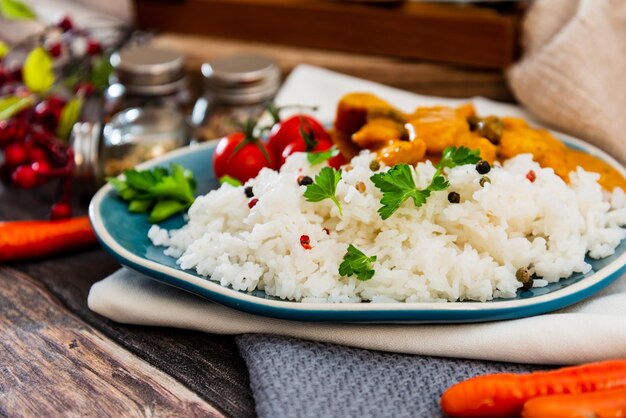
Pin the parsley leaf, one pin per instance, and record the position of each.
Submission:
(453, 156)
(315, 158)
(230, 180)
(356, 263)
(167, 192)
(324, 187)
(397, 186)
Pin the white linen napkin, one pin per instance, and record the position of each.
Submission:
(573, 67)
(589, 331)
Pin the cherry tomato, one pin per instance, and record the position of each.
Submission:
(322, 145)
(243, 163)
(288, 131)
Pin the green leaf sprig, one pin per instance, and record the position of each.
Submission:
(38, 71)
(4, 49)
(15, 10)
(230, 180)
(69, 116)
(397, 184)
(10, 105)
(315, 158)
(455, 156)
(356, 263)
(160, 191)
(324, 187)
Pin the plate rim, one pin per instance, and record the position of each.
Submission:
(502, 309)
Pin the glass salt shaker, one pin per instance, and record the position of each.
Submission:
(237, 88)
(148, 98)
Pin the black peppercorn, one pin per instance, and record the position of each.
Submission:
(454, 197)
(483, 167)
(248, 191)
(305, 180)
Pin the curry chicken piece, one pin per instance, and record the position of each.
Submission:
(396, 152)
(438, 126)
(519, 138)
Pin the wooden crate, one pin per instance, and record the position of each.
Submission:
(462, 35)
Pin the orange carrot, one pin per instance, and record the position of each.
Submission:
(600, 404)
(31, 239)
(504, 394)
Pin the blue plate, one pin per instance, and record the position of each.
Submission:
(124, 235)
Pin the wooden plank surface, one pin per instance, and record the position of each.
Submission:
(54, 364)
(418, 77)
(209, 365)
(465, 35)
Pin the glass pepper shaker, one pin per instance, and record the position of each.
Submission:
(237, 88)
(147, 76)
(148, 97)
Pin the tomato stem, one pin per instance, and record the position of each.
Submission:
(249, 138)
(274, 110)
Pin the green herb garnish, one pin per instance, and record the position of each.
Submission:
(315, 158)
(15, 10)
(453, 156)
(324, 187)
(160, 191)
(38, 70)
(398, 185)
(356, 263)
(230, 180)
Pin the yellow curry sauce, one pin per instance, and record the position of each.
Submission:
(365, 121)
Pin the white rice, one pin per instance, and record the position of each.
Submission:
(438, 252)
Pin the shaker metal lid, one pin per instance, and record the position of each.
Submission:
(141, 66)
(240, 69)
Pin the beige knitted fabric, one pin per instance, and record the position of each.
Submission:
(573, 71)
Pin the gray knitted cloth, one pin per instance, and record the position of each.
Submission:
(295, 378)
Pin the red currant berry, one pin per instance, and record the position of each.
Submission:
(65, 23)
(93, 47)
(41, 167)
(54, 49)
(85, 88)
(7, 132)
(37, 154)
(25, 177)
(47, 114)
(16, 74)
(56, 101)
(60, 210)
(15, 154)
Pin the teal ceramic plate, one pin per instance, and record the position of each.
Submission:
(124, 235)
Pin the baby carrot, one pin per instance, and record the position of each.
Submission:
(600, 404)
(31, 239)
(504, 394)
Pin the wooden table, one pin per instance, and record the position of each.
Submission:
(59, 357)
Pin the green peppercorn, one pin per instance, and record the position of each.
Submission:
(474, 123)
(484, 180)
(454, 197)
(523, 276)
(492, 129)
(483, 167)
(374, 165)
